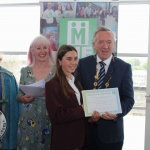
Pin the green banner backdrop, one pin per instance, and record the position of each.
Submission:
(78, 33)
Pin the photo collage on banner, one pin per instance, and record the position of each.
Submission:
(75, 23)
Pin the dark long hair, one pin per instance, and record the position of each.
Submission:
(70, 6)
(59, 74)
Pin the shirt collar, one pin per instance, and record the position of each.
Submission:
(71, 80)
(107, 61)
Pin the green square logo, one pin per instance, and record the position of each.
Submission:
(78, 32)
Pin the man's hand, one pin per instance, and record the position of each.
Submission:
(108, 116)
(95, 116)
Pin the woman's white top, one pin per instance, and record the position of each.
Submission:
(71, 83)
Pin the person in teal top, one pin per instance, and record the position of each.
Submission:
(34, 127)
(10, 107)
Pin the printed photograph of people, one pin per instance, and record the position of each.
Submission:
(52, 34)
(47, 16)
(58, 13)
(105, 12)
(51, 12)
(69, 10)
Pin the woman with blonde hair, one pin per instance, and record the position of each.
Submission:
(34, 125)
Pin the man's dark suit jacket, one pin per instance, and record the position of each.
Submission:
(120, 71)
(69, 125)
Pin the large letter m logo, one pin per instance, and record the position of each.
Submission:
(78, 32)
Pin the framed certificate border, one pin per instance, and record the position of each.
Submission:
(101, 100)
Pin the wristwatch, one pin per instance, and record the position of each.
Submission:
(116, 117)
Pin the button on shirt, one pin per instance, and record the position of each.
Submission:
(71, 83)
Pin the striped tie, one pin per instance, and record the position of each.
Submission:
(101, 74)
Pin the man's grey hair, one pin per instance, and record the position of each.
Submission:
(103, 29)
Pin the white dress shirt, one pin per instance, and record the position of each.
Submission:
(71, 83)
(107, 62)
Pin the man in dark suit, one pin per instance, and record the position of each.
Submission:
(108, 132)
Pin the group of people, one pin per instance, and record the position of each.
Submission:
(52, 17)
(88, 12)
(84, 11)
(56, 120)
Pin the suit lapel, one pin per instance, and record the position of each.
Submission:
(92, 68)
(109, 71)
(74, 98)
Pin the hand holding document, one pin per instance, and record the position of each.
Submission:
(35, 89)
(101, 100)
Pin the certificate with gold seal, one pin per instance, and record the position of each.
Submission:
(101, 100)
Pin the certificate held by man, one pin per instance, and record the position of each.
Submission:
(101, 100)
